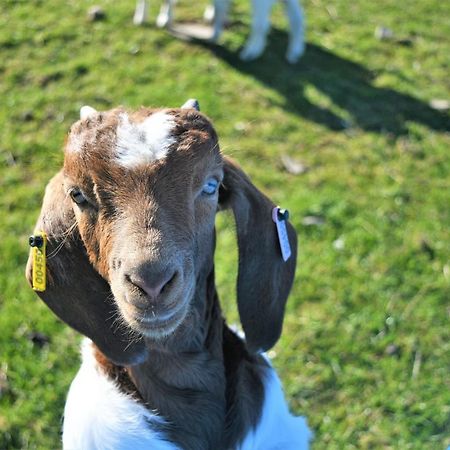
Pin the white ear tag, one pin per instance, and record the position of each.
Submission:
(280, 216)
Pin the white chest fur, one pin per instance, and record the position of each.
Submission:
(98, 416)
(278, 429)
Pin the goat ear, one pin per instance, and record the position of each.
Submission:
(264, 278)
(75, 291)
(87, 111)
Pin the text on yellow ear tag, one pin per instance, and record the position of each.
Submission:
(38, 242)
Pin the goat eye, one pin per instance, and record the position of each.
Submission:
(77, 196)
(210, 187)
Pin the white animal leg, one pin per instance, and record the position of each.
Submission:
(221, 8)
(141, 12)
(165, 16)
(295, 16)
(260, 27)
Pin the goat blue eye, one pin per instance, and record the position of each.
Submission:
(210, 187)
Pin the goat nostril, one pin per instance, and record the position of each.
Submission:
(169, 283)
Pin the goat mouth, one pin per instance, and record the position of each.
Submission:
(156, 325)
(162, 325)
(151, 319)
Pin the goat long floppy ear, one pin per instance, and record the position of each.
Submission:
(75, 291)
(264, 278)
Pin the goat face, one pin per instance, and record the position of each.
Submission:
(130, 227)
(144, 189)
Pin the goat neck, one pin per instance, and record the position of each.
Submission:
(183, 378)
(195, 386)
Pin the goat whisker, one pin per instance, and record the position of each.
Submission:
(65, 236)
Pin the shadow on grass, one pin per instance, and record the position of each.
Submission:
(347, 84)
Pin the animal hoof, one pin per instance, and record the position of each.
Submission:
(295, 53)
(163, 21)
(250, 54)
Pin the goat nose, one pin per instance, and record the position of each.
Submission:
(152, 284)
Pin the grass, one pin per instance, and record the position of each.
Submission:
(365, 352)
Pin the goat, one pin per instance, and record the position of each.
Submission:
(217, 14)
(130, 241)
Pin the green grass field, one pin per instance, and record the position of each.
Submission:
(365, 352)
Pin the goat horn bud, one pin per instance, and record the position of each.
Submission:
(87, 111)
(192, 103)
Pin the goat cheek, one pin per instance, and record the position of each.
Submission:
(205, 239)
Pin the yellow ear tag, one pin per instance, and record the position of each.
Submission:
(38, 242)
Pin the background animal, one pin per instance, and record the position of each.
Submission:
(217, 13)
(131, 236)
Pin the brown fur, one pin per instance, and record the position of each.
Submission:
(149, 220)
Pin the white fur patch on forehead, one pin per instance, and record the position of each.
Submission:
(145, 142)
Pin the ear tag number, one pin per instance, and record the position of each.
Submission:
(38, 243)
(280, 216)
